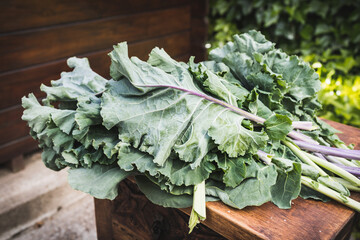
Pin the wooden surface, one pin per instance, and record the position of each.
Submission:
(36, 38)
(133, 216)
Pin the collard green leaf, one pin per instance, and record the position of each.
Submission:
(254, 191)
(303, 81)
(64, 120)
(52, 159)
(196, 142)
(82, 81)
(257, 107)
(99, 181)
(234, 169)
(88, 111)
(287, 186)
(257, 64)
(216, 189)
(252, 41)
(172, 111)
(162, 198)
(277, 126)
(308, 193)
(152, 123)
(37, 116)
(232, 138)
(100, 138)
(176, 171)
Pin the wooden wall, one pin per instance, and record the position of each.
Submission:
(36, 38)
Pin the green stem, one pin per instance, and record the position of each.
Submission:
(198, 211)
(304, 157)
(342, 161)
(335, 169)
(347, 184)
(330, 193)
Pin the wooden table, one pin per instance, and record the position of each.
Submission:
(132, 216)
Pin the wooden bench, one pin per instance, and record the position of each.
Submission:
(132, 216)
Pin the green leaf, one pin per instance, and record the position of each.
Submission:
(299, 75)
(36, 115)
(232, 138)
(176, 114)
(162, 198)
(177, 172)
(99, 181)
(234, 169)
(88, 112)
(287, 186)
(82, 81)
(101, 138)
(52, 159)
(254, 191)
(308, 193)
(277, 126)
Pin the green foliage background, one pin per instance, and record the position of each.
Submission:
(324, 33)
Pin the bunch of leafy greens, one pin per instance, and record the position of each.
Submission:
(191, 133)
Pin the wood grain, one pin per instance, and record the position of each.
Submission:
(11, 125)
(104, 212)
(17, 147)
(18, 15)
(135, 217)
(29, 48)
(199, 29)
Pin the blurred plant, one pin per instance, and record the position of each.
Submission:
(325, 33)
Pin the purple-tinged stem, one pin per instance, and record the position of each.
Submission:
(320, 156)
(345, 153)
(305, 125)
(265, 157)
(302, 137)
(340, 160)
(247, 115)
(353, 170)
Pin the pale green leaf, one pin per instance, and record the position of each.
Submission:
(162, 198)
(287, 186)
(99, 181)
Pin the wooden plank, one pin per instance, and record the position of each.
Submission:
(135, 217)
(199, 29)
(19, 146)
(28, 48)
(18, 15)
(14, 85)
(11, 126)
(103, 213)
